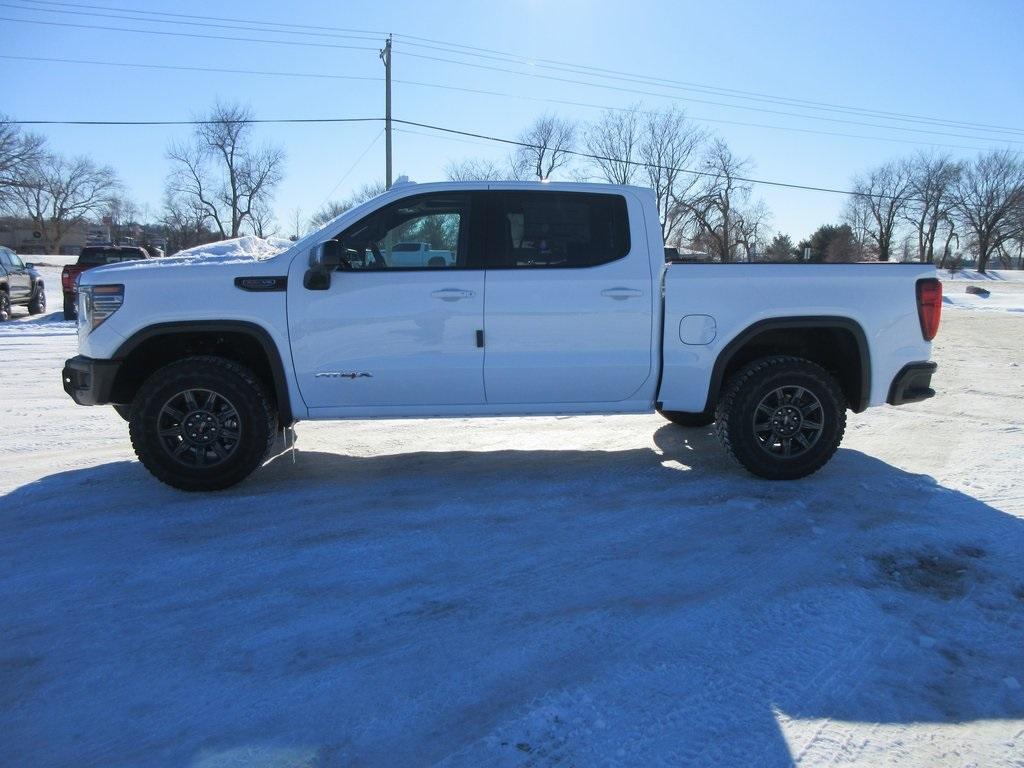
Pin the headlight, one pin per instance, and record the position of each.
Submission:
(98, 302)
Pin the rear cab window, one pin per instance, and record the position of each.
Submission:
(95, 256)
(560, 230)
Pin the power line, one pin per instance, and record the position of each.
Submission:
(472, 135)
(470, 50)
(145, 20)
(188, 34)
(525, 74)
(348, 173)
(702, 101)
(480, 91)
(177, 67)
(641, 164)
(210, 18)
(254, 120)
(690, 116)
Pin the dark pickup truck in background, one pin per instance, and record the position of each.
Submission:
(94, 256)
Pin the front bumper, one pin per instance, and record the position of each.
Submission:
(89, 381)
(912, 384)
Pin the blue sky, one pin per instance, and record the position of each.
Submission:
(954, 61)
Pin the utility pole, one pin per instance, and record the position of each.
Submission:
(385, 56)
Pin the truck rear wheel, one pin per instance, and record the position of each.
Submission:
(202, 423)
(782, 418)
(686, 419)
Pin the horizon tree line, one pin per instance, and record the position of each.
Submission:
(927, 207)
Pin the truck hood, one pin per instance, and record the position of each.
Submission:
(242, 255)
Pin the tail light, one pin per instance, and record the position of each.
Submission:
(66, 281)
(929, 306)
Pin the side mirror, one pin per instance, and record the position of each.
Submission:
(323, 259)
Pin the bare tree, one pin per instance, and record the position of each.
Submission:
(669, 144)
(58, 193)
(124, 217)
(751, 228)
(296, 224)
(931, 185)
(881, 197)
(549, 142)
(221, 173)
(949, 224)
(614, 141)
(335, 208)
(475, 169)
(185, 223)
(721, 192)
(263, 221)
(988, 195)
(20, 154)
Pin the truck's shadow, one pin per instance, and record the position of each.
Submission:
(513, 607)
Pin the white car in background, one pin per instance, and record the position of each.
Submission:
(419, 255)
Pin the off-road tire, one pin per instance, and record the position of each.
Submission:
(5, 306)
(38, 303)
(747, 388)
(257, 422)
(685, 419)
(70, 310)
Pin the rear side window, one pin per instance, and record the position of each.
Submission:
(557, 230)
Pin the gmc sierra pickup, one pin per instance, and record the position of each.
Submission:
(557, 300)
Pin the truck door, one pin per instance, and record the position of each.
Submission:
(569, 299)
(386, 334)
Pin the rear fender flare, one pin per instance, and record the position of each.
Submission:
(793, 323)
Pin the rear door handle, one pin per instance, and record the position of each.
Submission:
(452, 294)
(620, 294)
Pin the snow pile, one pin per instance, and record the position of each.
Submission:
(246, 247)
(1005, 286)
(997, 302)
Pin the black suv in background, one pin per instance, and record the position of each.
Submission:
(94, 256)
(19, 284)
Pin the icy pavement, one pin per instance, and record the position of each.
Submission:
(579, 591)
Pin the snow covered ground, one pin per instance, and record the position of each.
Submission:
(553, 591)
(1006, 289)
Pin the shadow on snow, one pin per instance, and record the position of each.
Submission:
(498, 607)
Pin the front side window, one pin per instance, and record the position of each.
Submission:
(16, 261)
(559, 229)
(421, 232)
(5, 260)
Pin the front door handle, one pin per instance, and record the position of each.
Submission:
(452, 294)
(621, 294)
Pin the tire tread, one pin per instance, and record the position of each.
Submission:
(737, 387)
(184, 370)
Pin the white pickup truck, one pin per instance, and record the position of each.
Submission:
(558, 301)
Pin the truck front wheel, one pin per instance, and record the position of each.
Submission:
(781, 417)
(202, 423)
